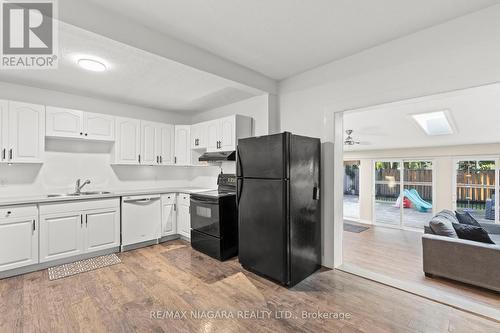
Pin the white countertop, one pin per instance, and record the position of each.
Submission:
(31, 199)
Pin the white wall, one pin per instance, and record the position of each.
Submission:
(460, 53)
(256, 107)
(23, 93)
(443, 159)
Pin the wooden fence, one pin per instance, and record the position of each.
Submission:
(473, 189)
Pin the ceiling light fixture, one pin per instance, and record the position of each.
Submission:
(92, 65)
(434, 123)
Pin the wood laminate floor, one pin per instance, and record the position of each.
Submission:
(173, 277)
(398, 254)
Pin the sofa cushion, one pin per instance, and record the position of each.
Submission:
(473, 233)
(448, 214)
(441, 225)
(467, 218)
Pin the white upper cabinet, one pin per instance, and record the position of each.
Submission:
(223, 134)
(23, 133)
(127, 148)
(4, 134)
(66, 123)
(182, 146)
(149, 143)
(98, 126)
(199, 135)
(166, 143)
(213, 134)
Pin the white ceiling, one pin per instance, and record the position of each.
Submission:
(280, 38)
(134, 76)
(475, 115)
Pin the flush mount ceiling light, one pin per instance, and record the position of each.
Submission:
(92, 65)
(434, 123)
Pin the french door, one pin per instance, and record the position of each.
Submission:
(403, 193)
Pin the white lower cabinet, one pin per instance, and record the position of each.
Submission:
(183, 215)
(168, 215)
(61, 236)
(79, 227)
(102, 229)
(18, 237)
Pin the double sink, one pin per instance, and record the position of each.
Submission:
(62, 195)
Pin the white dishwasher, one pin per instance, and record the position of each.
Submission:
(141, 219)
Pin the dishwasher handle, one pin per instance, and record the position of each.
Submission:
(141, 200)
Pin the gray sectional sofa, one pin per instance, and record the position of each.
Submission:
(462, 260)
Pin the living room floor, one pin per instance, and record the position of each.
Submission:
(397, 254)
(174, 277)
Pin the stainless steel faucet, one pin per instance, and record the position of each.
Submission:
(79, 186)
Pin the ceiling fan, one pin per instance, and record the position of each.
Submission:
(349, 141)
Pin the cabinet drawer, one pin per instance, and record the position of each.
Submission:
(168, 198)
(80, 205)
(183, 199)
(12, 212)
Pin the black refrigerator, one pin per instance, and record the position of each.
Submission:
(279, 209)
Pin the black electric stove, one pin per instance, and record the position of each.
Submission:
(214, 220)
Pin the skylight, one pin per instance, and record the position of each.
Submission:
(434, 123)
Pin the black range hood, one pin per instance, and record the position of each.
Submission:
(218, 156)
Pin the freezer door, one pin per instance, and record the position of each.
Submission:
(263, 157)
(263, 227)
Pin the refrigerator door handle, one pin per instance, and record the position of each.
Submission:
(316, 193)
(239, 187)
(240, 169)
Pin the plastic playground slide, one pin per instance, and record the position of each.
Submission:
(419, 203)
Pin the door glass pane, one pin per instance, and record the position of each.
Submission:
(387, 190)
(351, 189)
(417, 202)
(476, 189)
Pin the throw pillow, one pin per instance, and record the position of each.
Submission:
(467, 218)
(442, 226)
(449, 215)
(473, 233)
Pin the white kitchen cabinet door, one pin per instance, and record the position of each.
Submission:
(166, 143)
(182, 146)
(61, 236)
(149, 147)
(18, 242)
(65, 123)
(26, 133)
(228, 134)
(199, 136)
(128, 141)
(168, 219)
(183, 215)
(98, 126)
(102, 229)
(213, 135)
(4, 137)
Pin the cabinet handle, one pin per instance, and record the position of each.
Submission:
(175, 159)
(81, 220)
(10, 154)
(175, 207)
(139, 158)
(161, 159)
(34, 225)
(81, 133)
(86, 220)
(86, 134)
(4, 152)
(157, 159)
